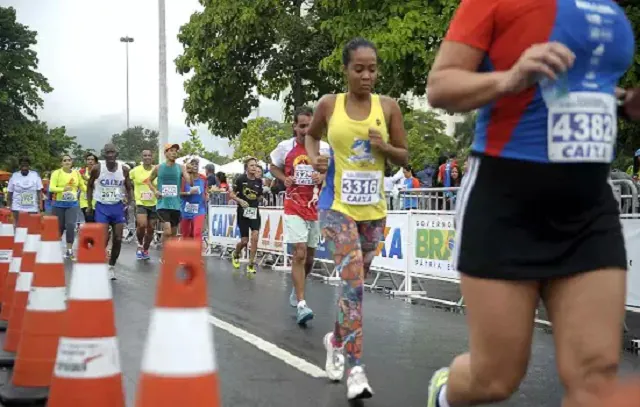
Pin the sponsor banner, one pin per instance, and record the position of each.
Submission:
(271, 230)
(433, 240)
(223, 225)
(393, 250)
(631, 230)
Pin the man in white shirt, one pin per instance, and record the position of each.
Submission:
(25, 190)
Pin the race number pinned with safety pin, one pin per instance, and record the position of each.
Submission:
(303, 174)
(27, 199)
(582, 128)
(361, 187)
(169, 190)
(250, 213)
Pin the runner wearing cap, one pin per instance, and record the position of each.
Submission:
(146, 215)
(169, 176)
(111, 185)
(291, 165)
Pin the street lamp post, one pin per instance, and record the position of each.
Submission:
(163, 108)
(126, 41)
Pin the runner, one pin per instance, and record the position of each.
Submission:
(194, 203)
(544, 75)
(25, 190)
(112, 187)
(364, 130)
(146, 201)
(90, 160)
(291, 165)
(64, 186)
(247, 190)
(169, 176)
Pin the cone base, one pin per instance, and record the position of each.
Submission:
(7, 359)
(11, 395)
(3, 325)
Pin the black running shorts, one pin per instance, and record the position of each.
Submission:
(171, 216)
(518, 220)
(150, 211)
(245, 225)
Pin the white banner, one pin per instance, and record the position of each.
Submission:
(393, 252)
(271, 230)
(631, 229)
(433, 238)
(223, 225)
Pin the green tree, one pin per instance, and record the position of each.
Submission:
(194, 146)
(131, 142)
(260, 138)
(21, 84)
(44, 146)
(234, 48)
(464, 133)
(78, 153)
(426, 138)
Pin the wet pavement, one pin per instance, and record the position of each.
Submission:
(403, 343)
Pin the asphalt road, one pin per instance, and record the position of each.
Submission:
(403, 343)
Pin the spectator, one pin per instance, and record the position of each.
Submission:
(210, 171)
(451, 196)
(410, 182)
(221, 182)
(427, 175)
(444, 171)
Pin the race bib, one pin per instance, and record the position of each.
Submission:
(361, 187)
(303, 174)
(27, 199)
(191, 208)
(146, 196)
(250, 213)
(582, 128)
(110, 194)
(197, 189)
(68, 196)
(169, 190)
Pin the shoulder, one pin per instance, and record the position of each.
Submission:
(389, 104)
(327, 102)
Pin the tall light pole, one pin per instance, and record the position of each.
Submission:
(126, 41)
(163, 119)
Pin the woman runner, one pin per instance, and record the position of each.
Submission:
(364, 130)
(544, 75)
(64, 187)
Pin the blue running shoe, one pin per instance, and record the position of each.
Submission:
(304, 315)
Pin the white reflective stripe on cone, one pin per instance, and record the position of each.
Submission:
(49, 253)
(21, 235)
(90, 282)
(82, 358)
(179, 343)
(6, 256)
(16, 263)
(23, 283)
(32, 244)
(49, 299)
(6, 229)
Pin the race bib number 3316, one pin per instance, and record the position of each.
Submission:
(361, 187)
(582, 128)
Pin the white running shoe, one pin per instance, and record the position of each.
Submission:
(358, 385)
(112, 272)
(334, 366)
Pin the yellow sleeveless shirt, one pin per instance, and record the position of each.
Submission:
(355, 179)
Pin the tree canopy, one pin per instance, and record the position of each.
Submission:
(194, 146)
(260, 138)
(131, 142)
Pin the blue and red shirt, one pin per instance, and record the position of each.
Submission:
(580, 126)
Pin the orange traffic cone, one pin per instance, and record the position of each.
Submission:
(23, 283)
(8, 358)
(180, 369)
(42, 325)
(87, 370)
(6, 252)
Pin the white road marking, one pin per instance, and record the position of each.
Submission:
(269, 348)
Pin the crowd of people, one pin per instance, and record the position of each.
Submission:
(547, 99)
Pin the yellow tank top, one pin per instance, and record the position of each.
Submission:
(143, 193)
(355, 184)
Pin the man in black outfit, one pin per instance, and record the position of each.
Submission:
(247, 191)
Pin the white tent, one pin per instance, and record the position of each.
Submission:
(203, 162)
(236, 167)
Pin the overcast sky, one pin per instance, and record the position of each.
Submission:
(81, 54)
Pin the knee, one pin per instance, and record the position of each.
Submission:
(497, 383)
(299, 254)
(244, 240)
(586, 377)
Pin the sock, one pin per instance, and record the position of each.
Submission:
(302, 304)
(442, 397)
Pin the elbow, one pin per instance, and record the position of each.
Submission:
(436, 92)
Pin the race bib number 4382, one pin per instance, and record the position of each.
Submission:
(361, 187)
(582, 128)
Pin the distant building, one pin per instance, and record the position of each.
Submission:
(449, 120)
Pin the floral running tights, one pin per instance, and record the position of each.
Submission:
(353, 246)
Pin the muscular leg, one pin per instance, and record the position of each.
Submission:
(254, 247)
(298, 268)
(309, 260)
(500, 315)
(587, 311)
(148, 237)
(142, 228)
(244, 241)
(117, 243)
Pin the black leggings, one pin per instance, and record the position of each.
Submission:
(67, 218)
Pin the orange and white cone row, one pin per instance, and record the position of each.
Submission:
(87, 371)
(180, 369)
(6, 253)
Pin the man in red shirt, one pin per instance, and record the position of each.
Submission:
(291, 165)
